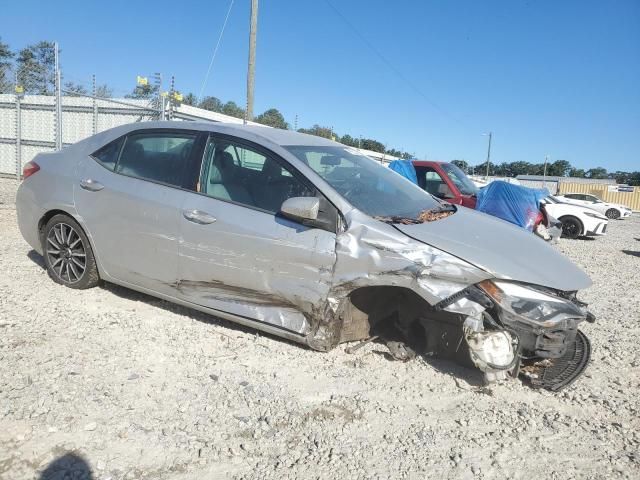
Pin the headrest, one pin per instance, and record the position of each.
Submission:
(132, 150)
(222, 168)
(271, 169)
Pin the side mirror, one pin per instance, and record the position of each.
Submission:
(301, 208)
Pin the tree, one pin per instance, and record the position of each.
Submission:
(597, 172)
(576, 172)
(6, 56)
(461, 164)
(74, 88)
(393, 152)
(559, 168)
(35, 66)
(212, 104)
(318, 131)
(143, 91)
(272, 118)
(189, 99)
(373, 145)
(406, 156)
(233, 110)
(349, 141)
(104, 91)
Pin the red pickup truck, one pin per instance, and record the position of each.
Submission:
(446, 181)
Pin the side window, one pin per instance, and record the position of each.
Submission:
(160, 157)
(430, 181)
(107, 156)
(572, 196)
(234, 172)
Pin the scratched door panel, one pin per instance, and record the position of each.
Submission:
(252, 263)
(133, 225)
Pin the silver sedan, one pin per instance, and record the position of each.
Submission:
(303, 238)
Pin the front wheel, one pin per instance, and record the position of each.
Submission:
(571, 227)
(612, 214)
(68, 255)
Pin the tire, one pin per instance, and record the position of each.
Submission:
(67, 254)
(571, 227)
(612, 214)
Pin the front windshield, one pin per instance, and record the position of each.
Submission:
(364, 183)
(457, 176)
(594, 199)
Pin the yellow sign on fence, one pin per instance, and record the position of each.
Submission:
(629, 196)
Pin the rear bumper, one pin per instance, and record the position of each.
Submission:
(28, 214)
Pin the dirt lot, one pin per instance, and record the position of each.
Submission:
(142, 389)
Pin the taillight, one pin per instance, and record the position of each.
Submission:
(29, 169)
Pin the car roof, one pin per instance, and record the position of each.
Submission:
(427, 162)
(274, 135)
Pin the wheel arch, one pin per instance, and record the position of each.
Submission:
(367, 306)
(57, 211)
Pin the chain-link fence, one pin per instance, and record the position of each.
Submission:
(28, 124)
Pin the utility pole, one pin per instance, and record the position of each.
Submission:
(58, 97)
(94, 93)
(490, 134)
(253, 30)
(544, 172)
(172, 97)
(157, 81)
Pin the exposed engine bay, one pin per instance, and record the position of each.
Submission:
(510, 330)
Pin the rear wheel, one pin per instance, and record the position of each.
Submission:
(612, 214)
(571, 227)
(68, 255)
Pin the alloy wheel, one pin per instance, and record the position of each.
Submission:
(66, 253)
(570, 228)
(612, 214)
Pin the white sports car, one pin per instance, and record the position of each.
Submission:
(576, 221)
(611, 210)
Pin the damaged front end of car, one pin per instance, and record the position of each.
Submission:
(420, 299)
(526, 330)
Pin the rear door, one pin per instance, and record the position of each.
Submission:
(129, 199)
(237, 254)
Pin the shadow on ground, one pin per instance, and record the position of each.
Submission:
(471, 376)
(69, 466)
(631, 252)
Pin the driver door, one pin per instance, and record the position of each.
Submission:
(237, 255)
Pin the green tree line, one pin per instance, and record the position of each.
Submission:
(32, 67)
(558, 168)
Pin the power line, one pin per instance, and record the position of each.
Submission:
(215, 51)
(388, 63)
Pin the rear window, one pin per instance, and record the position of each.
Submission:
(159, 157)
(107, 156)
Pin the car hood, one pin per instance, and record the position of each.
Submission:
(500, 248)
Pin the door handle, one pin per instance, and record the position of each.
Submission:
(198, 216)
(91, 185)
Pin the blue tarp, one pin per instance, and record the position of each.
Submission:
(513, 203)
(404, 168)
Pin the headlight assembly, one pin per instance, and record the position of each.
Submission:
(529, 305)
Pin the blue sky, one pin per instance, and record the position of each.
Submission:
(546, 77)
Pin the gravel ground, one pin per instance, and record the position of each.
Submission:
(143, 389)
